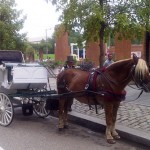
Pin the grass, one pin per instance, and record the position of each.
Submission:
(45, 56)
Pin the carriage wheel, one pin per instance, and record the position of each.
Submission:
(6, 110)
(39, 106)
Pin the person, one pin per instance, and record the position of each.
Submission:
(70, 63)
(108, 61)
(2, 67)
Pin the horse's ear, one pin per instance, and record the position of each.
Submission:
(135, 59)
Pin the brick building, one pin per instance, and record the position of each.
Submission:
(121, 50)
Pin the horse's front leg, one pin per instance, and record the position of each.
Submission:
(108, 106)
(115, 109)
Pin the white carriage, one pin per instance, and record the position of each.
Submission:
(19, 81)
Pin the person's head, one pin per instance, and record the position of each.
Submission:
(70, 61)
(110, 56)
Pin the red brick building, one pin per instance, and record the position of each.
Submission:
(121, 50)
(62, 48)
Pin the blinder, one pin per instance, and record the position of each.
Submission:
(143, 84)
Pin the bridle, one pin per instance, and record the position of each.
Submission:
(140, 83)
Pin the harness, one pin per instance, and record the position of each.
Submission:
(91, 84)
(91, 89)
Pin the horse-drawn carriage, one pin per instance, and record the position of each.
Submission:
(25, 83)
(22, 85)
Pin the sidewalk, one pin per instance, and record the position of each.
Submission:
(133, 119)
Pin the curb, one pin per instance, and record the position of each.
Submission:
(99, 125)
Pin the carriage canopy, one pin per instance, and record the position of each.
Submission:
(11, 56)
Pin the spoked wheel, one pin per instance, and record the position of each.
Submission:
(39, 106)
(6, 110)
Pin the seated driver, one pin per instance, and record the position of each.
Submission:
(69, 63)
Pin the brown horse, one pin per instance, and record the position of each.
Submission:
(108, 89)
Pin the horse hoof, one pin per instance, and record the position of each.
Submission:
(111, 141)
(116, 137)
(66, 126)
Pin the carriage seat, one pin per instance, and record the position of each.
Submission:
(11, 57)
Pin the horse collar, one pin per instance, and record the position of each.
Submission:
(91, 81)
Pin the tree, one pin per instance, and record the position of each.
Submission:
(142, 15)
(42, 45)
(10, 25)
(96, 20)
(29, 52)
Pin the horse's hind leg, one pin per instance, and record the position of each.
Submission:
(109, 122)
(68, 104)
(115, 109)
(61, 113)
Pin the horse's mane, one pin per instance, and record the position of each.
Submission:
(121, 61)
(118, 63)
(141, 68)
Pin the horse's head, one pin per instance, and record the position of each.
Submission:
(141, 73)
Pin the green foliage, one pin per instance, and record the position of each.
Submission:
(44, 45)
(88, 17)
(49, 56)
(28, 49)
(142, 12)
(52, 64)
(86, 65)
(97, 20)
(10, 25)
(136, 41)
(45, 56)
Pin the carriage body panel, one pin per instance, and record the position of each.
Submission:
(23, 76)
(21, 85)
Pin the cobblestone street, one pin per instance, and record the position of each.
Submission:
(132, 115)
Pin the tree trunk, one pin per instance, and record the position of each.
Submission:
(41, 55)
(101, 37)
(147, 47)
(147, 36)
(102, 52)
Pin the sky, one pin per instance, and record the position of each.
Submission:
(41, 17)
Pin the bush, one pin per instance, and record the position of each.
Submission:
(86, 65)
(52, 64)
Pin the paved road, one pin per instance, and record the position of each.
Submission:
(33, 133)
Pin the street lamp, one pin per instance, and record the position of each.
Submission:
(47, 41)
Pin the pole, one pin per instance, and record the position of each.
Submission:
(46, 43)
